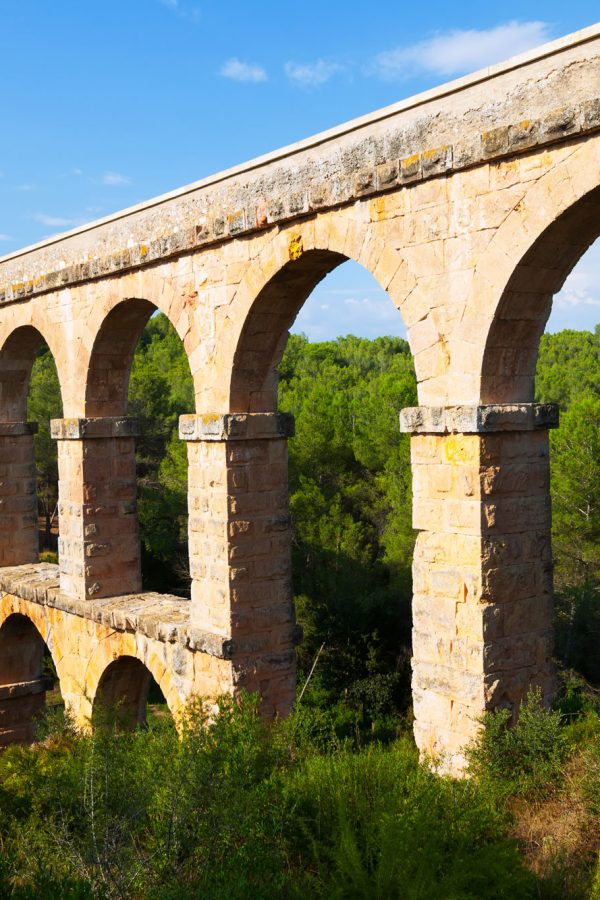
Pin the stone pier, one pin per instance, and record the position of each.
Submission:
(99, 547)
(482, 570)
(240, 548)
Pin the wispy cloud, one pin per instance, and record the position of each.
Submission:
(456, 52)
(182, 9)
(310, 75)
(54, 221)
(582, 287)
(5, 237)
(237, 70)
(115, 179)
(26, 188)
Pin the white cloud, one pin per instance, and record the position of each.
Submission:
(25, 188)
(53, 221)
(5, 237)
(456, 52)
(365, 316)
(115, 179)
(237, 70)
(311, 74)
(577, 305)
(582, 287)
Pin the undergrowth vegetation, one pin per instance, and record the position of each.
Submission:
(236, 808)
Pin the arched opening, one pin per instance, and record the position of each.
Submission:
(24, 680)
(110, 365)
(349, 473)
(29, 388)
(125, 692)
(510, 357)
(139, 367)
(265, 331)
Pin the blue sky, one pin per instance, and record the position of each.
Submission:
(109, 103)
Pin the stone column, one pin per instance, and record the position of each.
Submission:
(240, 547)
(99, 546)
(19, 538)
(482, 571)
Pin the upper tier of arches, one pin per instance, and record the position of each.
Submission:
(473, 315)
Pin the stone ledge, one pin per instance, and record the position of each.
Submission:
(484, 419)
(26, 688)
(98, 427)
(17, 429)
(236, 427)
(161, 617)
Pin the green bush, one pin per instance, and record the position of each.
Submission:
(595, 893)
(145, 813)
(234, 808)
(524, 757)
(377, 824)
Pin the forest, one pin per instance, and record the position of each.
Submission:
(333, 802)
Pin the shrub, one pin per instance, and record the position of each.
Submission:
(377, 824)
(524, 757)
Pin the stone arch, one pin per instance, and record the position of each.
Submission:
(264, 333)
(123, 690)
(19, 538)
(111, 334)
(525, 264)
(291, 267)
(119, 672)
(23, 684)
(510, 356)
(17, 356)
(110, 361)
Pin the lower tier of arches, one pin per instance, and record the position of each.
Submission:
(97, 666)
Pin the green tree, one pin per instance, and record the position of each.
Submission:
(568, 365)
(575, 479)
(45, 403)
(350, 504)
(160, 390)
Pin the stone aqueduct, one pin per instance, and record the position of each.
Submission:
(469, 204)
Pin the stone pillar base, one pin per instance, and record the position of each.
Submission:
(482, 571)
(99, 547)
(240, 546)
